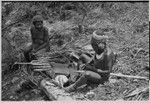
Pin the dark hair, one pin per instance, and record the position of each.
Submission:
(96, 42)
(37, 18)
(100, 32)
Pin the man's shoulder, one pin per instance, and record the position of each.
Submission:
(32, 28)
(109, 51)
(45, 28)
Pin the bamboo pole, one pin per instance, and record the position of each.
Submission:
(121, 75)
(128, 76)
(26, 63)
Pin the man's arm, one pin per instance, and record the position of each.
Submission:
(40, 47)
(34, 41)
(108, 65)
(32, 37)
(97, 70)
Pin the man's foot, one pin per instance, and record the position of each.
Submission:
(70, 89)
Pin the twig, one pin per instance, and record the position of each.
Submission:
(129, 76)
(25, 63)
(42, 69)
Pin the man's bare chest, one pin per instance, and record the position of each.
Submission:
(38, 34)
(100, 62)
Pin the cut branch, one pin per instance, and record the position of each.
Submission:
(120, 75)
(128, 76)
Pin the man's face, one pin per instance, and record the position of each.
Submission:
(99, 47)
(39, 24)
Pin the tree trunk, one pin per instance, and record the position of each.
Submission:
(53, 91)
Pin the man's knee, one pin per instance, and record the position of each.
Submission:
(93, 75)
(28, 48)
(87, 73)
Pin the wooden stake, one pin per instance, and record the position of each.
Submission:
(128, 76)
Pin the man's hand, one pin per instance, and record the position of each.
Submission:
(82, 66)
(33, 51)
(41, 47)
(99, 70)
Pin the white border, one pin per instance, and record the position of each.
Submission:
(70, 101)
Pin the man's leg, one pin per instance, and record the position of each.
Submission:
(27, 51)
(93, 77)
(88, 76)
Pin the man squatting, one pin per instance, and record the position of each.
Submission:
(40, 38)
(98, 70)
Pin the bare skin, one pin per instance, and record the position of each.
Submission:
(39, 37)
(98, 69)
(40, 40)
(99, 51)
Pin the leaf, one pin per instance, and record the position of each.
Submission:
(138, 91)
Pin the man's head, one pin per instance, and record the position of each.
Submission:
(37, 21)
(98, 41)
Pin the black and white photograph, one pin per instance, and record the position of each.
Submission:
(75, 51)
